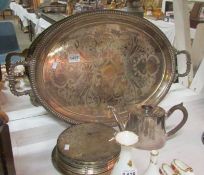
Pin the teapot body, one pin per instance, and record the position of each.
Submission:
(149, 124)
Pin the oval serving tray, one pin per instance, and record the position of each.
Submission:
(84, 63)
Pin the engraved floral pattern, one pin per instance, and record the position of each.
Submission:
(116, 66)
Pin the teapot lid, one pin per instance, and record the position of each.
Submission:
(148, 110)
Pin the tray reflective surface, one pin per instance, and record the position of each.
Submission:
(97, 59)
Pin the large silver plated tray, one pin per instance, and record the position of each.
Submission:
(89, 61)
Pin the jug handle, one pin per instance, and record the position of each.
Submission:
(183, 121)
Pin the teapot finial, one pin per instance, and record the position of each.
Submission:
(147, 109)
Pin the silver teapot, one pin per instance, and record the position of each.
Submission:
(148, 123)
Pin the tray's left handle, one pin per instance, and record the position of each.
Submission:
(10, 55)
(12, 79)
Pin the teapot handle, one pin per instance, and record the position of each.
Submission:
(183, 121)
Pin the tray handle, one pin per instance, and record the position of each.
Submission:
(10, 55)
(12, 82)
(188, 63)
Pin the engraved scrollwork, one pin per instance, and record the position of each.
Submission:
(115, 67)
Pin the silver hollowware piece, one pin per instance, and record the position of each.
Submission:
(87, 148)
(149, 124)
(86, 62)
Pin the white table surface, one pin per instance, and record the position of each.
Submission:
(34, 134)
(24, 16)
(20, 12)
(167, 28)
(42, 25)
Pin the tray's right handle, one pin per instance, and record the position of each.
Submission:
(188, 63)
(12, 77)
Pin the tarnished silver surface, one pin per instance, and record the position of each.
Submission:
(118, 63)
(86, 148)
(67, 169)
(149, 124)
(86, 62)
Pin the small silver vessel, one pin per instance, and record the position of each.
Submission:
(86, 149)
